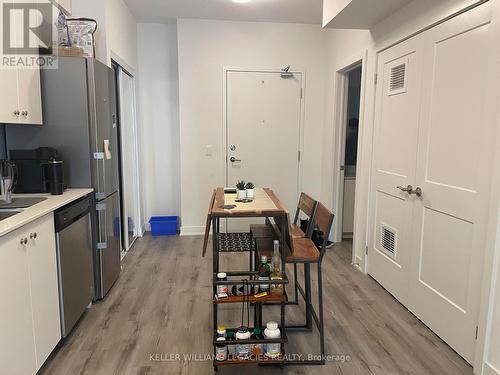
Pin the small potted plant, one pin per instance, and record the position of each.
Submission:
(242, 193)
(250, 190)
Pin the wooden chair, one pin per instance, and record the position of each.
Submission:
(306, 252)
(262, 233)
(208, 224)
(307, 206)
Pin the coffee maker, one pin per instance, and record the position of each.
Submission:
(31, 165)
(8, 179)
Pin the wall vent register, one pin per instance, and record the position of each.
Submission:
(397, 83)
(388, 240)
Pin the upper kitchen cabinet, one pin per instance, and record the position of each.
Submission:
(30, 98)
(20, 99)
(65, 5)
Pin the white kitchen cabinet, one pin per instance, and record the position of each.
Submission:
(44, 286)
(16, 320)
(21, 97)
(30, 96)
(9, 100)
(29, 317)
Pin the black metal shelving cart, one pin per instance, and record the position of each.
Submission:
(266, 206)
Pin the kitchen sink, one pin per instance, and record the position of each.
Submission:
(21, 203)
(5, 214)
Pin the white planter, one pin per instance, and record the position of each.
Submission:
(250, 193)
(242, 194)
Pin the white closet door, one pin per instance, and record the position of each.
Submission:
(396, 134)
(129, 156)
(455, 150)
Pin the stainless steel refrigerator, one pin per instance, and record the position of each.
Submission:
(80, 121)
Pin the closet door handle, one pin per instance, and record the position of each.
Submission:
(408, 189)
(418, 192)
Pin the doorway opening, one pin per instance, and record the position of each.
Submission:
(349, 99)
(124, 91)
(350, 131)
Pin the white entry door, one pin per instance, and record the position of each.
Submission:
(443, 149)
(263, 134)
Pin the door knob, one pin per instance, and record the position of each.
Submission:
(418, 192)
(408, 189)
(233, 159)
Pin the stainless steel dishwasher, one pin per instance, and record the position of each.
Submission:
(74, 258)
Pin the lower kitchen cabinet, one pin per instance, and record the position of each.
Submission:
(16, 319)
(30, 319)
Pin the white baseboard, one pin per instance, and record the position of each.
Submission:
(192, 231)
(488, 369)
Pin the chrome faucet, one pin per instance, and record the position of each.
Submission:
(8, 180)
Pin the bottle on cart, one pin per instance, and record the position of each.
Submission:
(272, 332)
(221, 331)
(222, 290)
(243, 351)
(221, 350)
(230, 348)
(257, 349)
(276, 270)
(263, 273)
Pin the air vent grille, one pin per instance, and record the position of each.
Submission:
(397, 84)
(388, 239)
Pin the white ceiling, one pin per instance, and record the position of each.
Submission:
(290, 11)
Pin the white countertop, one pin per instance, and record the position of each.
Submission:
(52, 203)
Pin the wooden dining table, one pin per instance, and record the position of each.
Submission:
(265, 204)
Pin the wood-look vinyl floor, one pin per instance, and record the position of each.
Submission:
(160, 308)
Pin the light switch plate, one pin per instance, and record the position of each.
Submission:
(208, 150)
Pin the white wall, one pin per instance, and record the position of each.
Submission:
(122, 34)
(205, 48)
(95, 9)
(158, 98)
(116, 34)
(493, 353)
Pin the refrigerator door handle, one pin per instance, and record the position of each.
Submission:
(103, 228)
